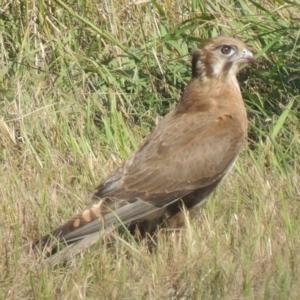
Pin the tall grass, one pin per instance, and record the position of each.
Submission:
(82, 83)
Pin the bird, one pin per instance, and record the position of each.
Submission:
(179, 163)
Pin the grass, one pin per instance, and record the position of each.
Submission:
(82, 83)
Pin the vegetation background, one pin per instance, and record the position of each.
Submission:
(82, 83)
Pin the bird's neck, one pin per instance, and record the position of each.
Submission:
(221, 95)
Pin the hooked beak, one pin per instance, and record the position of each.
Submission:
(247, 56)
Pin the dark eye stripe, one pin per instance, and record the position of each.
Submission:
(227, 66)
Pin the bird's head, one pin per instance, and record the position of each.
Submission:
(220, 57)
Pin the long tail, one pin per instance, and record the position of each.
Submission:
(84, 229)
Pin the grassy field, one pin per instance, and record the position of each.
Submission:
(82, 83)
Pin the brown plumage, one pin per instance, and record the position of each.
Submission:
(181, 162)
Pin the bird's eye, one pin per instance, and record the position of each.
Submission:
(227, 50)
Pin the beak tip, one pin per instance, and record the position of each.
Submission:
(248, 56)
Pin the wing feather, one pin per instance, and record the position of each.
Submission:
(177, 162)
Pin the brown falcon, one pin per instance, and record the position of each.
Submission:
(181, 162)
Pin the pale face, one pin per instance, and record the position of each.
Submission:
(220, 57)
